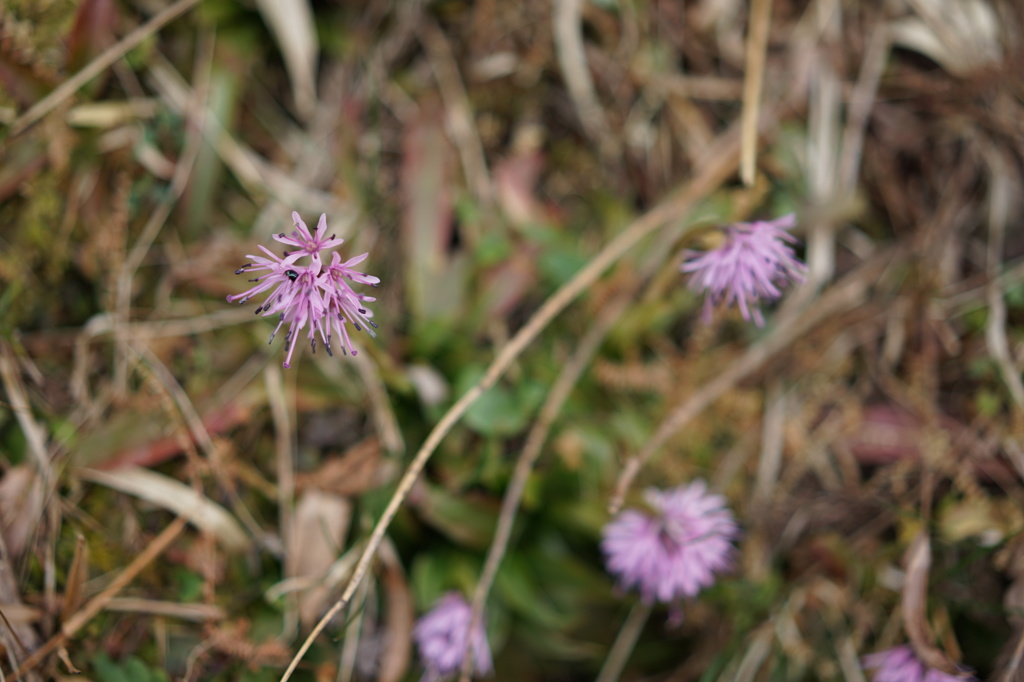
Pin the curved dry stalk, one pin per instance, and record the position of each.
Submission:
(625, 643)
(842, 297)
(721, 164)
(563, 386)
(757, 53)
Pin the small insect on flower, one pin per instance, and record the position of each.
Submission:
(901, 664)
(677, 551)
(310, 295)
(750, 266)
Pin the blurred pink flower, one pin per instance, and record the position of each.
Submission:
(901, 665)
(441, 639)
(678, 551)
(310, 295)
(749, 266)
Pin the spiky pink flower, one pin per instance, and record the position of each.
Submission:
(677, 551)
(309, 244)
(310, 295)
(902, 665)
(441, 639)
(750, 266)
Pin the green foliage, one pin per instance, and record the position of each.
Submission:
(132, 669)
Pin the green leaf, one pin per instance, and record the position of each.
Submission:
(469, 522)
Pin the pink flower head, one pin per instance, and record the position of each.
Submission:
(345, 306)
(310, 295)
(308, 244)
(441, 639)
(678, 551)
(753, 262)
(901, 665)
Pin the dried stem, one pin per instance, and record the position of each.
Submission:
(624, 643)
(720, 166)
(70, 628)
(757, 48)
(98, 65)
(563, 386)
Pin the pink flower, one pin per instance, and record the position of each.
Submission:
(441, 639)
(901, 665)
(678, 551)
(344, 305)
(309, 245)
(754, 261)
(310, 295)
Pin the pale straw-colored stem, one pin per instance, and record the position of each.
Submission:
(720, 165)
(624, 643)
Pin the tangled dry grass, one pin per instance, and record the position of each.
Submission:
(174, 505)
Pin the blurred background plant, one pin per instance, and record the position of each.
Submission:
(484, 154)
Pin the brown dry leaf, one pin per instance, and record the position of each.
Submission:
(233, 640)
(21, 506)
(319, 526)
(358, 470)
(291, 22)
(19, 639)
(394, 660)
(915, 597)
(165, 492)
(77, 575)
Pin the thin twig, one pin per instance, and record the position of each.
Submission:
(999, 204)
(98, 65)
(572, 61)
(560, 391)
(720, 166)
(757, 48)
(625, 643)
(458, 111)
(284, 437)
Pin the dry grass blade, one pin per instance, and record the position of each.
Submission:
(199, 613)
(572, 60)
(34, 434)
(915, 601)
(624, 644)
(560, 391)
(22, 497)
(1000, 202)
(721, 165)
(757, 49)
(316, 537)
(291, 22)
(77, 575)
(398, 618)
(71, 627)
(182, 500)
(17, 638)
(101, 63)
